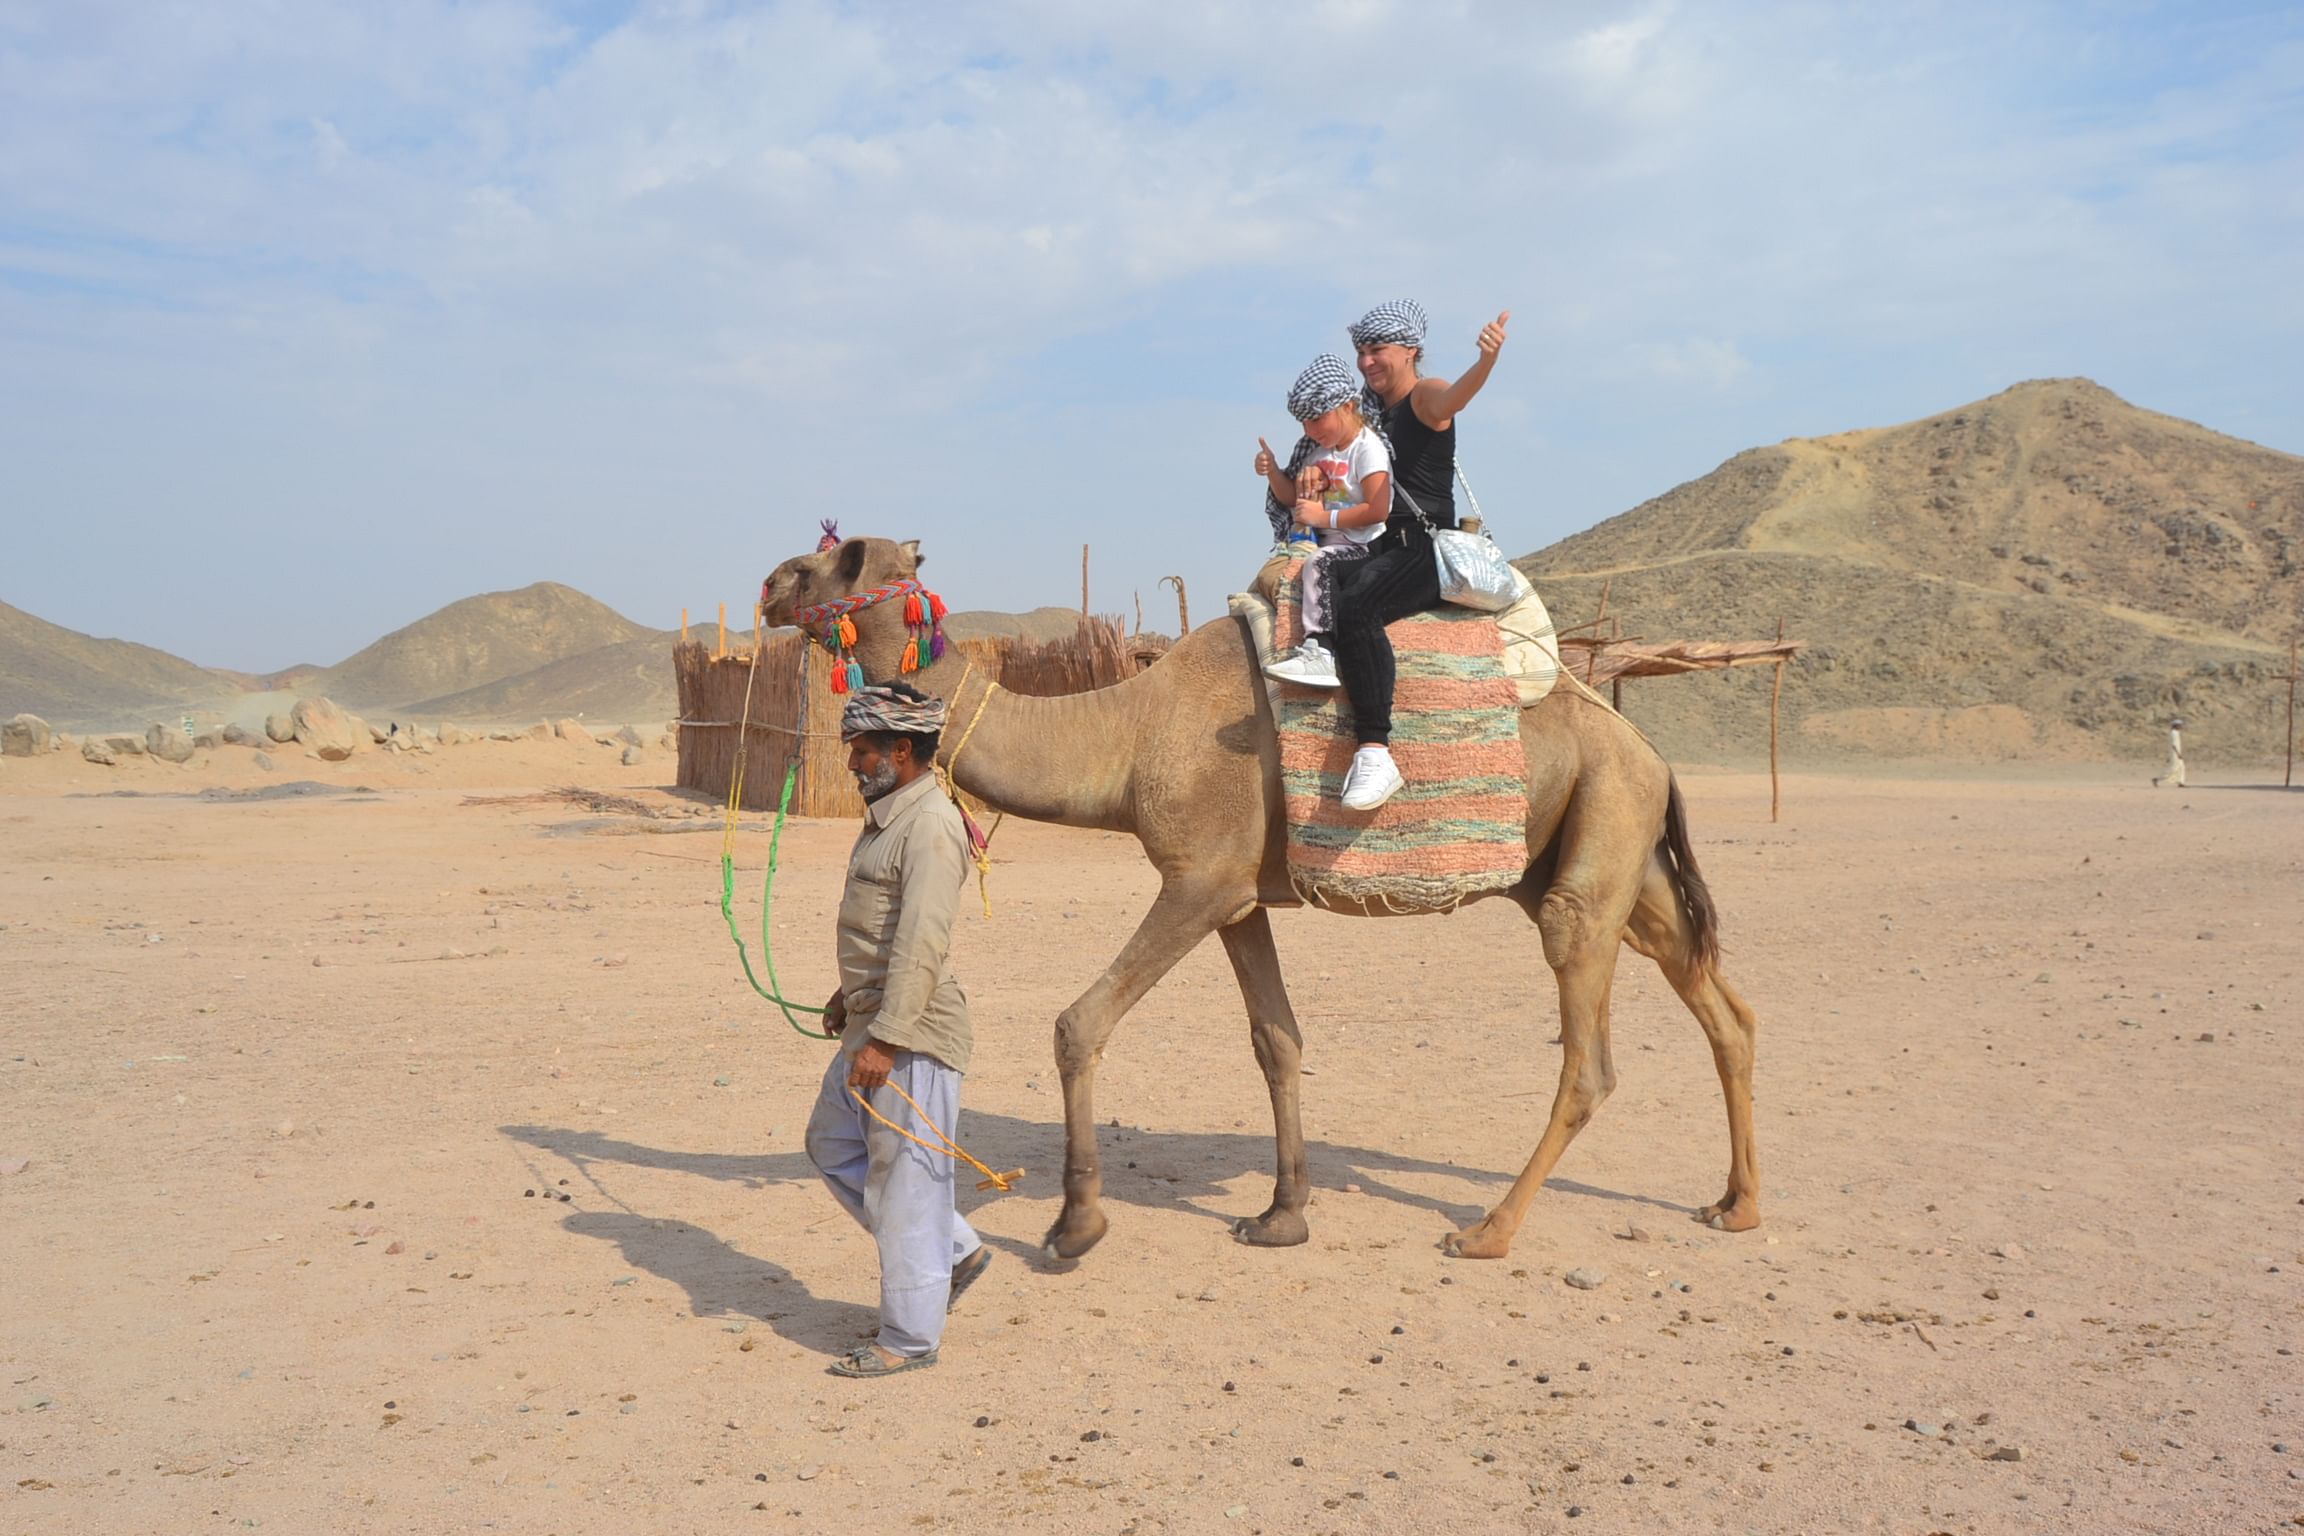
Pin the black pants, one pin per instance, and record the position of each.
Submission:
(1397, 579)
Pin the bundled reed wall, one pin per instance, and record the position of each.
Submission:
(795, 715)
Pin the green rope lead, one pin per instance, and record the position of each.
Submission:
(773, 991)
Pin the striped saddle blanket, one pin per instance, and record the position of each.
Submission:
(1458, 825)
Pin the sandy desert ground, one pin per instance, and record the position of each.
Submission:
(386, 1161)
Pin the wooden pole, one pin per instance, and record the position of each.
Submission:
(1083, 581)
(1139, 613)
(1775, 696)
(683, 626)
(1592, 658)
(2288, 779)
(720, 649)
(1183, 609)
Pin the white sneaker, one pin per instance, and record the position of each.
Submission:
(1372, 779)
(1309, 664)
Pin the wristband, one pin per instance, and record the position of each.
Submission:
(1332, 517)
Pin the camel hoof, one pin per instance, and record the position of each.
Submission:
(1731, 1216)
(1067, 1241)
(1273, 1229)
(1476, 1242)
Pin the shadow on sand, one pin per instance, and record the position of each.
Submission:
(1142, 1168)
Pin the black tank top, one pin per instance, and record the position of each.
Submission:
(1424, 467)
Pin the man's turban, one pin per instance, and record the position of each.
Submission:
(885, 711)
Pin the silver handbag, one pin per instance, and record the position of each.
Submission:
(1472, 570)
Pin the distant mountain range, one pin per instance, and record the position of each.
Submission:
(2048, 573)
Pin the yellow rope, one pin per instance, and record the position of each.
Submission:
(982, 859)
(952, 1149)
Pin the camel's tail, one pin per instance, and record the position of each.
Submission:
(1695, 896)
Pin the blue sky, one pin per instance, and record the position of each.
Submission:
(315, 317)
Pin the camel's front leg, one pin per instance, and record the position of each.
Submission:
(1280, 1052)
(1184, 914)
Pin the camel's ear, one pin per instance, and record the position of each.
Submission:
(851, 561)
(911, 548)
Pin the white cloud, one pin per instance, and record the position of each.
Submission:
(475, 262)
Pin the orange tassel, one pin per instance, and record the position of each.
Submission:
(911, 662)
(912, 608)
(936, 606)
(847, 630)
(839, 676)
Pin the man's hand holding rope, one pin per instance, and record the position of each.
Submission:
(871, 1066)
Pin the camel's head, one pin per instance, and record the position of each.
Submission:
(848, 566)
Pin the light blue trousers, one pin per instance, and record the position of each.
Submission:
(898, 1192)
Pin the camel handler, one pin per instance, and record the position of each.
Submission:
(902, 1022)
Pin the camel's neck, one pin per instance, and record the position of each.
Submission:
(1063, 759)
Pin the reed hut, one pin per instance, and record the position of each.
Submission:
(776, 703)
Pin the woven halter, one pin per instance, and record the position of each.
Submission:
(832, 624)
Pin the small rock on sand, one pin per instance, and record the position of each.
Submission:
(1586, 1279)
(633, 756)
(97, 753)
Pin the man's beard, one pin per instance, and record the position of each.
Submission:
(877, 783)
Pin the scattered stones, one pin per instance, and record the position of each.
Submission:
(264, 761)
(238, 735)
(1585, 1279)
(1923, 1428)
(628, 736)
(280, 728)
(2007, 1453)
(570, 730)
(98, 753)
(540, 731)
(454, 735)
(126, 746)
(807, 1474)
(24, 736)
(633, 756)
(168, 743)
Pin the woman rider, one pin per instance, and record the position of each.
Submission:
(1417, 415)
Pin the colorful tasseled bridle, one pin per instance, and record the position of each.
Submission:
(832, 625)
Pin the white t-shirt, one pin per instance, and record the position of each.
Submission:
(1348, 469)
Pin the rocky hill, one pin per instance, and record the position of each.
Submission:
(474, 642)
(2044, 574)
(73, 680)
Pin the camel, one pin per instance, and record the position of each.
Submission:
(1184, 756)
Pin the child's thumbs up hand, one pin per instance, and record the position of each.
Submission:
(1266, 462)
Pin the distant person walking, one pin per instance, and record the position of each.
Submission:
(2173, 773)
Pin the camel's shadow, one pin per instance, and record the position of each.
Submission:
(1143, 1168)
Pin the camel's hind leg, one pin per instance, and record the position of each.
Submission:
(1580, 918)
(1280, 1052)
(1185, 913)
(1660, 930)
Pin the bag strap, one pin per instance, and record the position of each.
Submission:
(1468, 496)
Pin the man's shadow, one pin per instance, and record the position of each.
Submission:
(1143, 1168)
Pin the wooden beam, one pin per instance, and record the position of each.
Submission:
(720, 649)
(1083, 581)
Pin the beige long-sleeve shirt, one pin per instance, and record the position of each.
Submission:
(904, 881)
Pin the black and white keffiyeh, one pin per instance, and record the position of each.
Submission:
(1401, 323)
(1322, 387)
(884, 710)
